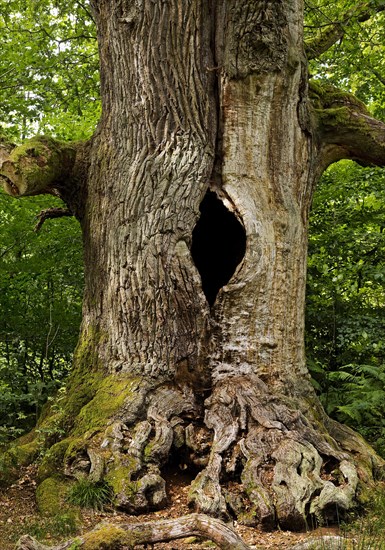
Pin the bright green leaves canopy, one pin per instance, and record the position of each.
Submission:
(49, 81)
(41, 284)
(356, 61)
(49, 84)
(346, 276)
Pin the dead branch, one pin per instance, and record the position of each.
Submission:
(50, 213)
(134, 534)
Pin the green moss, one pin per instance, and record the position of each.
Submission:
(326, 97)
(76, 545)
(39, 162)
(335, 116)
(249, 518)
(13, 458)
(87, 372)
(53, 459)
(75, 446)
(109, 398)
(148, 451)
(8, 468)
(50, 496)
(26, 438)
(119, 479)
(108, 537)
(25, 454)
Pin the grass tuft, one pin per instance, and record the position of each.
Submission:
(88, 494)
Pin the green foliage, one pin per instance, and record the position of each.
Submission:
(356, 62)
(50, 85)
(88, 494)
(345, 311)
(367, 528)
(41, 284)
(346, 298)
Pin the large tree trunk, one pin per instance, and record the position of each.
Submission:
(203, 103)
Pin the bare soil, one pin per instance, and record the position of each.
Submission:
(19, 515)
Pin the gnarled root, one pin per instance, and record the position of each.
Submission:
(291, 470)
(130, 454)
(260, 458)
(111, 536)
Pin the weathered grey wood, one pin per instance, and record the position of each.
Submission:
(150, 532)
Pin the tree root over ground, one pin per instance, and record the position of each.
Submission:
(292, 471)
(263, 458)
(110, 536)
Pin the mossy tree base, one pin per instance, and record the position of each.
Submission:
(259, 459)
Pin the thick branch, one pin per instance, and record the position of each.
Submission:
(345, 129)
(36, 167)
(152, 532)
(334, 32)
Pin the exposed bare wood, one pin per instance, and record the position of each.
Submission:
(131, 535)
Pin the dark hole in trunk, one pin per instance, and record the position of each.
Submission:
(218, 245)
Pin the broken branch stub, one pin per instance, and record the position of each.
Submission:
(36, 167)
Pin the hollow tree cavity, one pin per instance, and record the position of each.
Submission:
(218, 245)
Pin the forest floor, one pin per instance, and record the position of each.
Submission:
(19, 515)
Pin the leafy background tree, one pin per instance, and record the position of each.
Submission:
(345, 303)
(48, 69)
(346, 298)
(47, 86)
(40, 302)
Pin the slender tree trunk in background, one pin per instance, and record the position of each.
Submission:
(205, 105)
